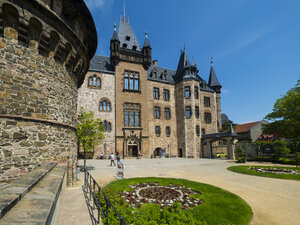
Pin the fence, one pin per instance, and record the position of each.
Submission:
(93, 194)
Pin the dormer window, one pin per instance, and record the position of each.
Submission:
(127, 38)
(154, 74)
(134, 47)
(124, 45)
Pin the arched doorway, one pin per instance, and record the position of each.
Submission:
(132, 148)
(157, 152)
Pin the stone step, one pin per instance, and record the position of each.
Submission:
(38, 205)
(14, 191)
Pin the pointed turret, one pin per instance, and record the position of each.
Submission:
(147, 58)
(184, 69)
(115, 47)
(127, 37)
(213, 80)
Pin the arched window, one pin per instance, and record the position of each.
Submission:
(109, 127)
(94, 81)
(105, 125)
(105, 105)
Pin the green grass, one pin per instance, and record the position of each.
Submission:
(219, 207)
(245, 170)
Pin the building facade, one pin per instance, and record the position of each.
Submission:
(152, 110)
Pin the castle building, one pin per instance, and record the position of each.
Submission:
(148, 109)
(45, 52)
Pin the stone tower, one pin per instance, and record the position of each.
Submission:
(45, 50)
(187, 100)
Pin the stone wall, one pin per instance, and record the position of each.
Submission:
(89, 98)
(162, 141)
(42, 62)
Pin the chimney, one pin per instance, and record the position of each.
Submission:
(154, 62)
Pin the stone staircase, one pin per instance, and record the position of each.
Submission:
(32, 199)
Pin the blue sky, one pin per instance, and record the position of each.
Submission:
(255, 44)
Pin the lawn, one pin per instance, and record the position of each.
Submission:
(246, 170)
(218, 206)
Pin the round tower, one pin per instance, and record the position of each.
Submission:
(45, 49)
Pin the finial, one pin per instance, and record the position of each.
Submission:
(184, 48)
(211, 60)
(124, 8)
(146, 34)
(115, 27)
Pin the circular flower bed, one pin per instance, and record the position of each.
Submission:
(275, 170)
(161, 195)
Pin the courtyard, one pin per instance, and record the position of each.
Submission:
(273, 201)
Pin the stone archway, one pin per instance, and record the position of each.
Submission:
(157, 152)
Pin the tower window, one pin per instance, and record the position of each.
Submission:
(134, 47)
(197, 130)
(157, 130)
(197, 111)
(187, 92)
(168, 131)
(166, 95)
(167, 113)
(207, 117)
(156, 93)
(207, 101)
(124, 45)
(132, 115)
(127, 38)
(156, 112)
(196, 92)
(188, 112)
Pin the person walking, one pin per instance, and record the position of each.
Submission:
(112, 159)
(118, 158)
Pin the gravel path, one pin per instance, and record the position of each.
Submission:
(273, 201)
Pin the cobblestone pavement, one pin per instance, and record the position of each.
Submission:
(273, 201)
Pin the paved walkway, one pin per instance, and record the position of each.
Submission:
(273, 201)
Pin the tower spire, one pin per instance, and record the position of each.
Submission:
(124, 8)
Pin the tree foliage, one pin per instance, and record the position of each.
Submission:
(285, 118)
(89, 131)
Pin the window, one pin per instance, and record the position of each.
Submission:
(105, 106)
(203, 131)
(168, 131)
(207, 101)
(188, 112)
(167, 113)
(156, 93)
(197, 130)
(157, 130)
(156, 112)
(106, 125)
(127, 38)
(197, 111)
(196, 92)
(131, 81)
(134, 47)
(207, 117)
(132, 115)
(124, 45)
(94, 82)
(154, 74)
(187, 92)
(166, 95)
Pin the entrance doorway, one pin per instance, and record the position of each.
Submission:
(157, 152)
(132, 148)
(180, 153)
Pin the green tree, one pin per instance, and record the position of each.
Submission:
(89, 131)
(285, 118)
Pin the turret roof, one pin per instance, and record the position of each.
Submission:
(126, 35)
(213, 80)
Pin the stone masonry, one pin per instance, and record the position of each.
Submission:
(42, 63)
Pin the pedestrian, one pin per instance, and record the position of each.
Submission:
(118, 158)
(112, 159)
(101, 156)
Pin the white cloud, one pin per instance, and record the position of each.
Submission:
(98, 4)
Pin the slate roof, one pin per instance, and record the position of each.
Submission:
(146, 43)
(225, 118)
(241, 128)
(213, 80)
(125, 31)
(159, 70)
(101, 63)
